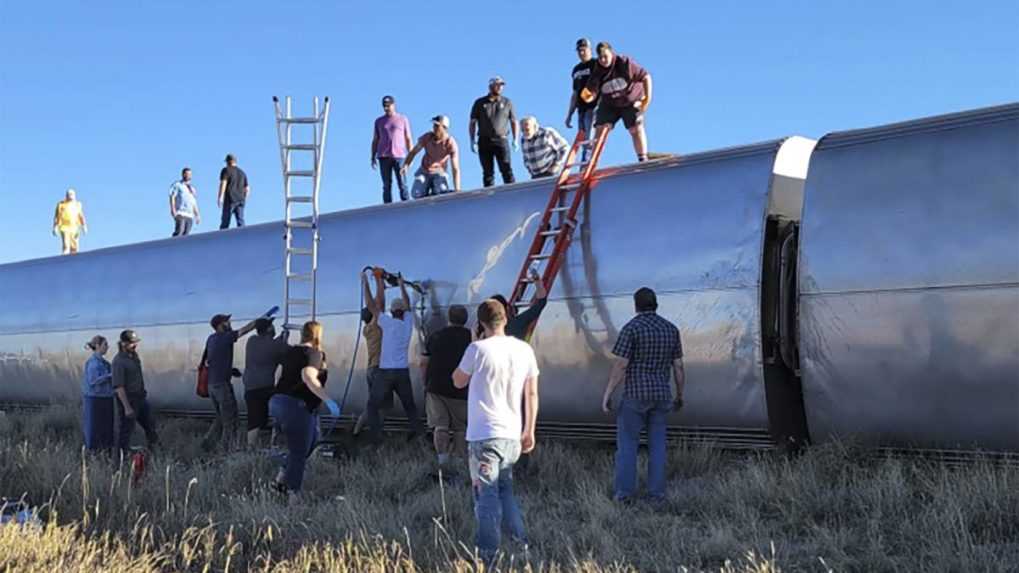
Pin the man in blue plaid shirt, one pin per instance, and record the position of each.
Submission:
(649, 358)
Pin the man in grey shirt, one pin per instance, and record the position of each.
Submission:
(129, 384)
(492, 119)
(263, 354)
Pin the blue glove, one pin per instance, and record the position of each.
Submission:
(516, 144)
(333, 407)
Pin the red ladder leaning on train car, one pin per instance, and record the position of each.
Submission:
(566, 206)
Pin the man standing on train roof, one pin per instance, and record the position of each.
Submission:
(440, 148)
(233, 192)
(649, 355)
(394, 367)
(585, 110)
(492, 118)
(184, 204)
(69, 222)
(623, 90)
(219, 356)
(545, 150)
(390, 142)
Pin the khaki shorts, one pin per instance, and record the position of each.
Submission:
(69, 240)
(446, 413)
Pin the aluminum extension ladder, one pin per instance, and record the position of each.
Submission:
(558, 231)
(302, 167)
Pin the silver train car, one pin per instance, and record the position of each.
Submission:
(875, 297)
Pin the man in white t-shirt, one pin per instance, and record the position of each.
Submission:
(393, 374)
(502, 375)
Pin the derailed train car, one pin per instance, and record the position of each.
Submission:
(777, 347)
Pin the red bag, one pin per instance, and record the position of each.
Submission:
(202, 384)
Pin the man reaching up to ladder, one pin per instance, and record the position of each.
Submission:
(625, 90)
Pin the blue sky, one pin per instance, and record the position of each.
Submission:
(113, 98)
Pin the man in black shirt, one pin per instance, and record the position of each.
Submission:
(445, 404)
(233, 192)
(219, 357)
(585, 110)
(492, 118)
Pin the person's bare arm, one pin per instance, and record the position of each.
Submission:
(514, 124)
(616, 378)
(369, 300)
(527, 441)
(380, 293)
(472, 128)
(56, 216)
(679, 377)
(403, 293)
(646, 102)
(246, 329)
(81, 219)
(406, 134)
(454, 162)
(222, 192)
(410, 158)
(309, 374)
(122, 395)
(198, 214)
(375, 146)
(461, 378)
(424, 367)
(173, 205)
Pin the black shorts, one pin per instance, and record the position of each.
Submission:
(609, 114)
(257, 401)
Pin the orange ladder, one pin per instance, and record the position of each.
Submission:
(565, 205)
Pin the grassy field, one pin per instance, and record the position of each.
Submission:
(833, 509)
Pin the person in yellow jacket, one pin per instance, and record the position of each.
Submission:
(69, 222)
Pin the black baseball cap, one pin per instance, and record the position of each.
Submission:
(218, 320)
(129, 337)
(230, 157)
(583, 43)
(388, 99)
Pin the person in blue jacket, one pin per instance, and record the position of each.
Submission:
(97, 397)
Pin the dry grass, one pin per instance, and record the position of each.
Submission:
(832, 509)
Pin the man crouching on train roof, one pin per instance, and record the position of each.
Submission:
(649, 355)
(501, 374)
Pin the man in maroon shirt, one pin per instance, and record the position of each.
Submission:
(625, 92)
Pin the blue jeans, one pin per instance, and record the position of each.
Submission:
(97, 424)
(429, 184)
(143, 417)
(231, 208)
(585, 119)
(388, 168)
(633, 416)
(301, 430)
(491, 466)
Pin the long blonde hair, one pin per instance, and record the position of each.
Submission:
(312, 332)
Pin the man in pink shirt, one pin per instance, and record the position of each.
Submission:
(440, 148)
(389, 146)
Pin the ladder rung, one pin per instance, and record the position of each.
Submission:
(300, 199)
(299, 120)
(292, 326)
(540, 257)
(300, 147)
(300, 224)
(559, 209)
(529, 280)
(299, 251)
(522, 303)
(550, 233)
(300, 276)
(303, 301)
(301, 173)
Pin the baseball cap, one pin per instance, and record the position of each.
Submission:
(496, 80)
(583, 43)
(230, 157)
(129, 337)
(397, 304)
(388, 99)
(441, 120)
(218, 320)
